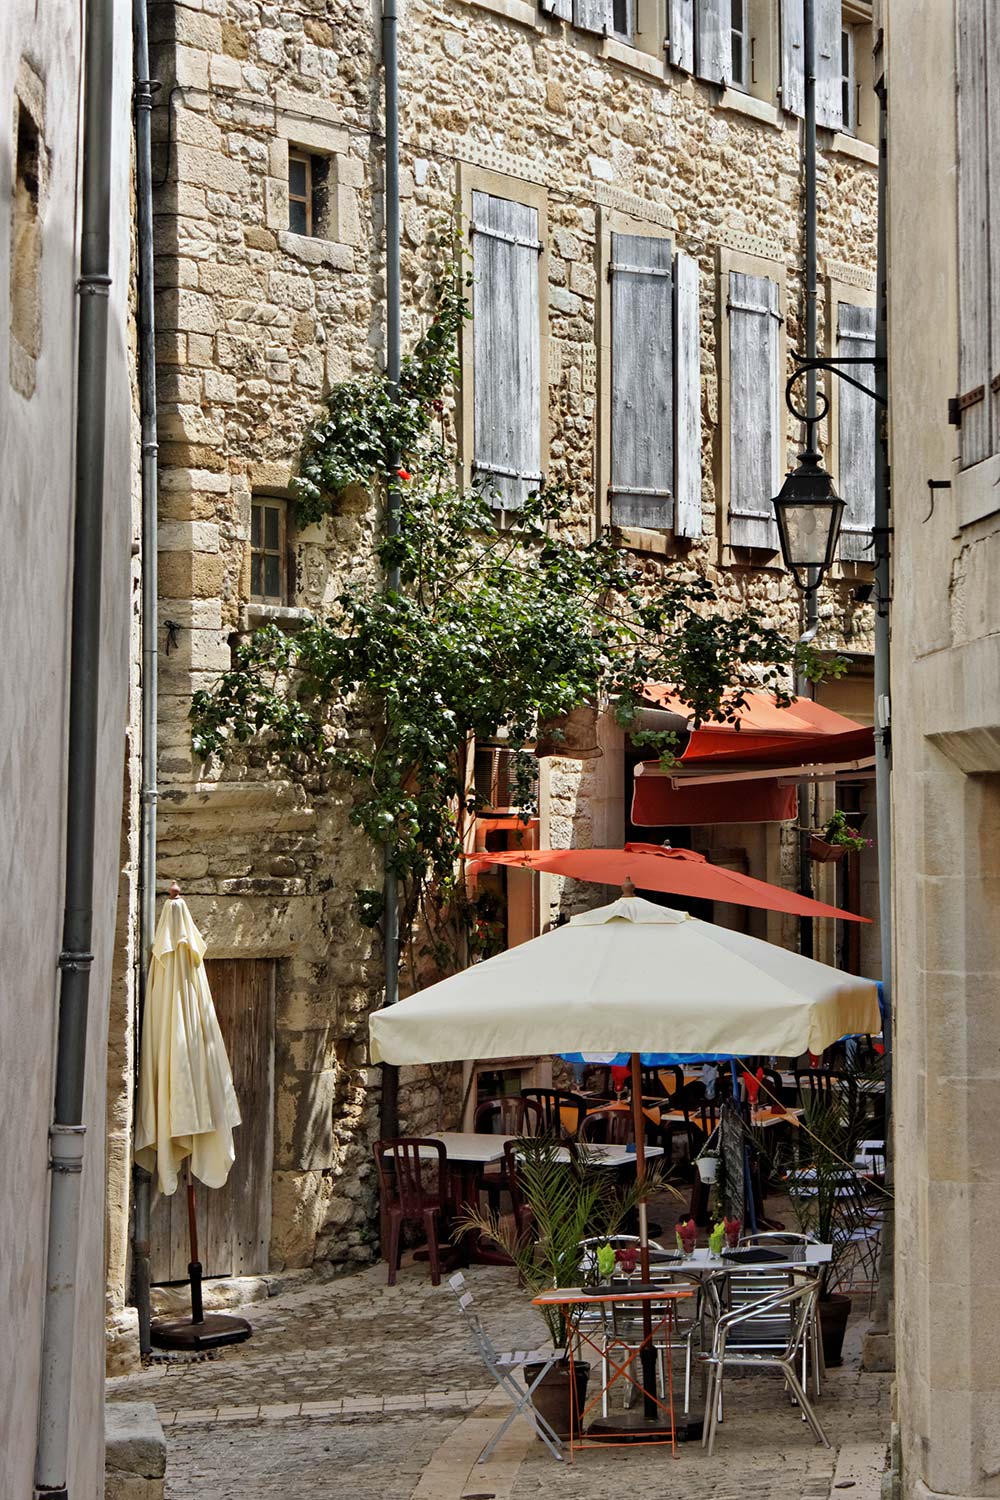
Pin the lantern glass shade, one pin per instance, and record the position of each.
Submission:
(808, 511)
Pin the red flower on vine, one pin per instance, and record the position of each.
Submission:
(404, 473)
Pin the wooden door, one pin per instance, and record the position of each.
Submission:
(234, 1222)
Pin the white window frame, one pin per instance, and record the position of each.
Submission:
(848, 82)
(278, 503)
(306, 199)
(742, 80)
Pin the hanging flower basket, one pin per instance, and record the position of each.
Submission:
(824, 853)
(573, 735)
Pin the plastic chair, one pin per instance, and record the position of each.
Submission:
(613, 1126)
(792, 1307)
(413, 1188)
(552, 1102)
(510, 1116)
(505, 1367)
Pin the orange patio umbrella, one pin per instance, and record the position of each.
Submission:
(679, 872)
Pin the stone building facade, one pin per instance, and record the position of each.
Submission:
(598, 133)
(941, 66)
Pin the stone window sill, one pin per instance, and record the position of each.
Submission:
(316, 252)
(652, 543)
(849, 145)
(977, 492)
(285, 616)
(746, 104)
(629, 56)
(522, 11)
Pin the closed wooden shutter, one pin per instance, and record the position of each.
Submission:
(561, 8)
(713, 42)
(506, 337)
(793, 51)
(687, 398)
(829, 95)
(592, 15)
(973, 232)
(856, 427)
(754, 410)
(993, 167)
(642, 456)
(682, 34)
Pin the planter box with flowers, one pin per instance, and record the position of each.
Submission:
(836, 838)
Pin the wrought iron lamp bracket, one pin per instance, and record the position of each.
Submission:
(805, 366)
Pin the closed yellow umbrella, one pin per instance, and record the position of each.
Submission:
(187, 1106)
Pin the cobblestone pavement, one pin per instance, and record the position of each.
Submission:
(350, 1387)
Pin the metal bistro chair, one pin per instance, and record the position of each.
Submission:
(759, 1281)
(505, 1368)
(552, 1102)
(414, 1189)
(793, 1307)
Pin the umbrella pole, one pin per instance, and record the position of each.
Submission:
(194, 1265)
(648, 1355)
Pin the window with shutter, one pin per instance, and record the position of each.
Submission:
(754, 409)
(681, 36)
(592, 15)
(975, 34)
(713, 40)
(642, 439)
(506, 338)
(563, 9)
(793, 73)
(687, 398)
(829, 95)
(856, 429)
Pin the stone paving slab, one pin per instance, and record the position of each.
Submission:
(351, 1387)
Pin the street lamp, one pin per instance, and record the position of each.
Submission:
(808, 511)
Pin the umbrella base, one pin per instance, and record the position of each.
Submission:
(212, 1332)
(634, 1427)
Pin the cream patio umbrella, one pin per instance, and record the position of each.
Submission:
(187, 1106)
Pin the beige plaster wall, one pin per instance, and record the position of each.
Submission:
(36, 458)
(946, 801)
(254, 326)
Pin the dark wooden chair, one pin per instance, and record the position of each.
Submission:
(413, 1189)
(823, 1087)
(552, 1102)
(653, 1086)
(597, 1080)
(608, 1127)
(523, 1219)
(508, 1115)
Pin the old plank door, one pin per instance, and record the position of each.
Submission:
(234, 1222)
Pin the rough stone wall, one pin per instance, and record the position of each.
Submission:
(256, 323)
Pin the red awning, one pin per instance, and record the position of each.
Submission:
(656, 804)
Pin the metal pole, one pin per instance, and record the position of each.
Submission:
(143, 102)
(811, 621)
(389, 1107)
(67, 1132)
(883, 730)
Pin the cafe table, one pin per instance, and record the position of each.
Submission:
(574, 1303)
(468, 1153)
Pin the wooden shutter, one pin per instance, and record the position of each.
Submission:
(506, 336)
(754, 410)
(973, 233)
(687, 398)
(642, 456)
(793, 52)
(713, 43)
(856, 429)
(563, 9)
(993, 229)
(829, 97)
(592, 15)
(682, 34)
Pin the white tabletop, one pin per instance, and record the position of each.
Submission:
(466, 1145)
(703, 1263)
(611, 1156)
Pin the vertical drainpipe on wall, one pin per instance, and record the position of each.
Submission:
(67, 1131)
(389, 1107)
(143, 103)
(811, 623)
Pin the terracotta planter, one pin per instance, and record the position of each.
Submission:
(824, 853)
(573, 735)
(834, 1312)
(552, 1397)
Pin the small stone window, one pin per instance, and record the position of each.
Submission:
(308, 177)
(26, 250)
(269, 551)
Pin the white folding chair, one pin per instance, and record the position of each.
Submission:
(505, 1367)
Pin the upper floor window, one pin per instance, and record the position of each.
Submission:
(977, 408)
(622, 19)
(856, 433)
(755, 420)
(848, 107)
(268, 551)
(307, 193)
(739, 45)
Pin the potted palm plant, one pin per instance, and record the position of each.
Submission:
(568, 1201)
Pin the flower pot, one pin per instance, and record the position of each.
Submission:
(573, 735)
(824, 853)
(708, 1168)
(834, 1312)
(552, 1396)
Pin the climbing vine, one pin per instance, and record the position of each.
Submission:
(491, 630)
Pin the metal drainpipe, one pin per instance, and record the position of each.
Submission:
(67, 1131)
(811, 624)
(389, 1107)
(143, 103)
